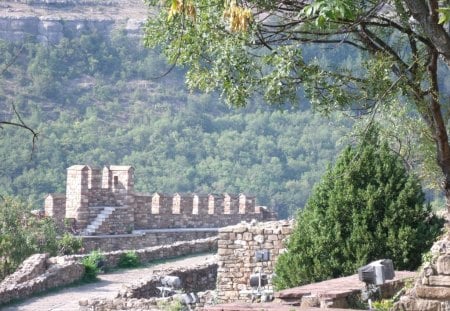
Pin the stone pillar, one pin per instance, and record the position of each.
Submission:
(77, 195)
(230, 204)
(55, 208)
(200, 204)
(94, 178)
(246, 204)
(106, 178)
(176, 204)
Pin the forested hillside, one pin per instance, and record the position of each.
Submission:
(96, 101)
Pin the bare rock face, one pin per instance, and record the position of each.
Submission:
(49, 21)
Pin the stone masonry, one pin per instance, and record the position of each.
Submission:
(39, 273)
(236, 255)
(103, 202)
(432, 288)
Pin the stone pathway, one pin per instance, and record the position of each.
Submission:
(67, 299)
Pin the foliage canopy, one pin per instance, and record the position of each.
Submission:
(400, 50)
(22, 234)
(366, 207)
(114, 113)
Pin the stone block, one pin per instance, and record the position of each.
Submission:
(439, 280)
(247, 236)
(443, 264)
(433, 292)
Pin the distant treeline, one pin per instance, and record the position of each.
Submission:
(95, 101)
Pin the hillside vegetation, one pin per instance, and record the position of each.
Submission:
(96, 101)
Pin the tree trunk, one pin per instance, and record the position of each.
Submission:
(425, 12)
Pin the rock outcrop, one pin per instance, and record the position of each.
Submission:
(49, 21)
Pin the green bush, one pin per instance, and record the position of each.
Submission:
(22, 234)
(128, 260)
(367, 207)
(93, 264)
(69, 244)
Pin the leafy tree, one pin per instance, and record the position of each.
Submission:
(367, 207)
(22, 234)
(388, 51)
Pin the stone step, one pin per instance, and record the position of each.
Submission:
(98, 221)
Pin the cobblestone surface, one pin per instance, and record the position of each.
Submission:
(67, 299)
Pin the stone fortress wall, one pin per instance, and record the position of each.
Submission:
(102, 202)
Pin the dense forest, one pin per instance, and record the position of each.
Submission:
(99, 101)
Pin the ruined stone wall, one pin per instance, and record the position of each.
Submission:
(236, 255)
(144, 295)
(39, 273)
(144, 239)
(194, 279)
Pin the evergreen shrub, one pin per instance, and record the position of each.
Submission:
(367, 207)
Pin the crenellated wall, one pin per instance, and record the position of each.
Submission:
(104, 202)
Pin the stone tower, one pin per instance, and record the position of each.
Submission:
(77, 195)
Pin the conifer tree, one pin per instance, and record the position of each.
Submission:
(367, 207)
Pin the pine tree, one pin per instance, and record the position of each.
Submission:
(367, 207)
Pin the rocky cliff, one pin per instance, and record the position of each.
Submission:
(51, 20)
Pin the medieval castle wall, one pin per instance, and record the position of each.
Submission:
(104, 202)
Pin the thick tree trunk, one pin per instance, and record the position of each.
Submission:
(425, 12)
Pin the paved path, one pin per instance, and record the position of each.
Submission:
(67, 299)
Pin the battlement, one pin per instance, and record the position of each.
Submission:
(103, 201)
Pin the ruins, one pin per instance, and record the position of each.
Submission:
(103, 202)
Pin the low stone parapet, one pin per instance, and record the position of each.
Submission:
(145, 238)
(148, 254)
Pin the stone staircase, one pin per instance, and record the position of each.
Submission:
(98, 221)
